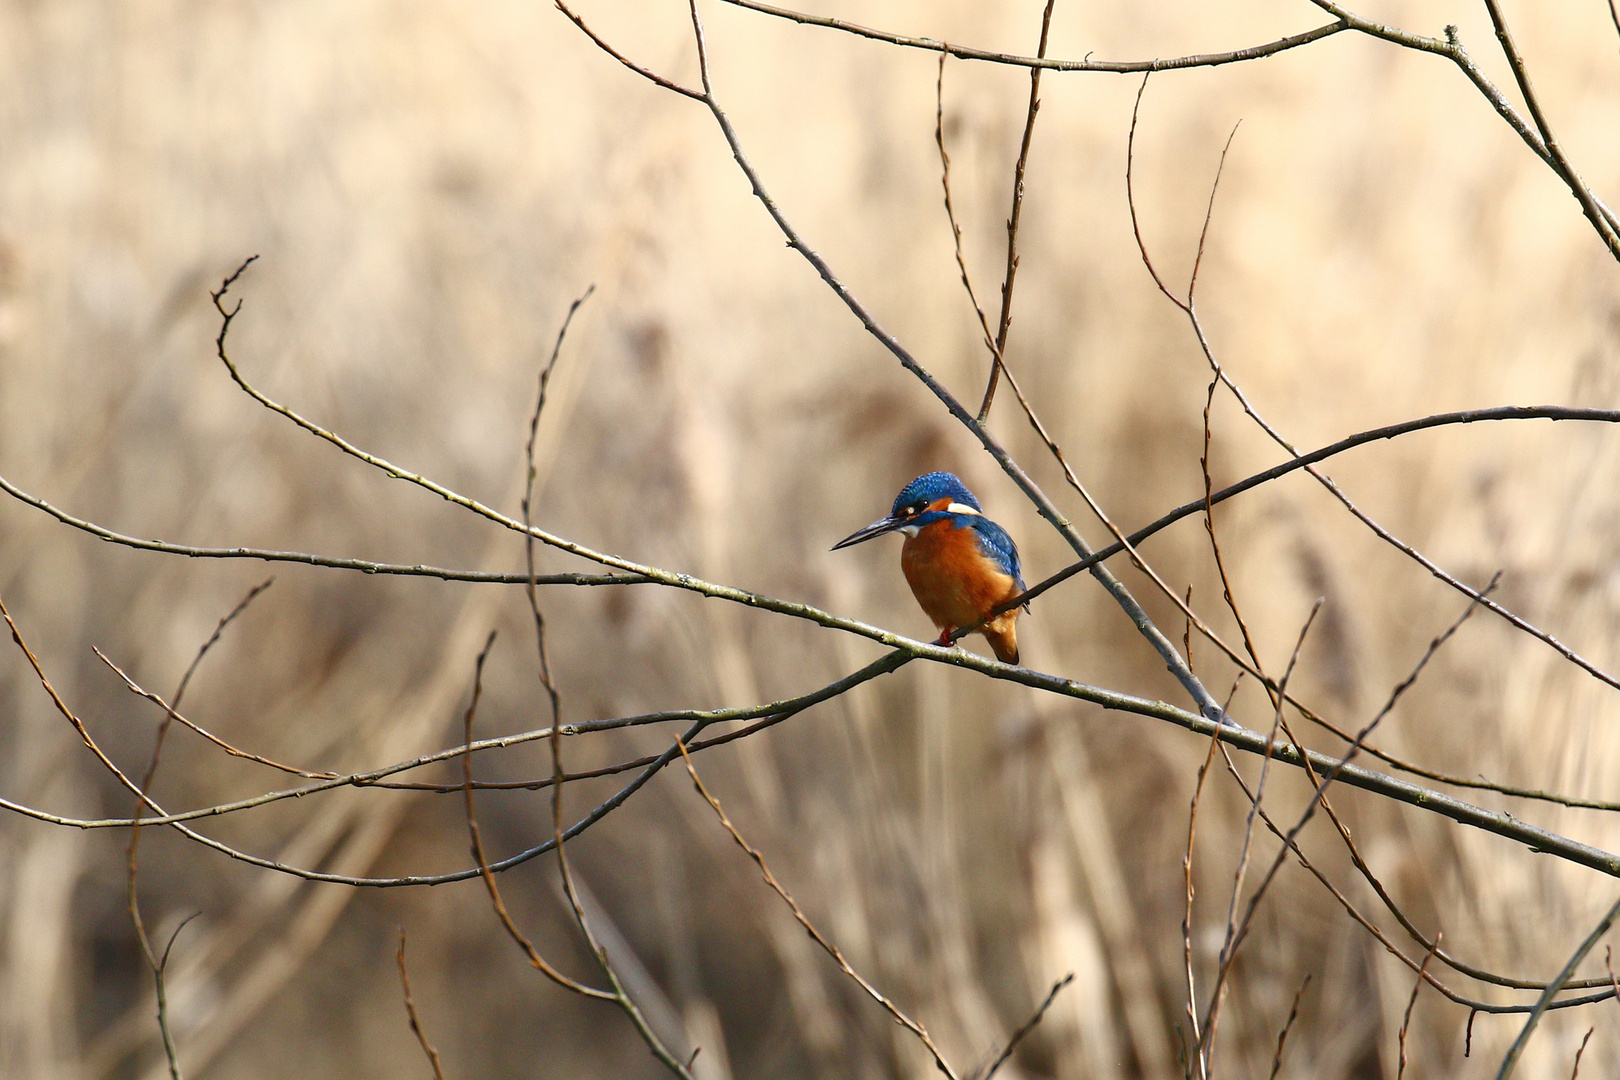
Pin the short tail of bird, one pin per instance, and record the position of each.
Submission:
(1002, 635)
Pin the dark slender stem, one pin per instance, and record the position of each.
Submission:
(961, 52)
(1542, 1003)
(998, 355)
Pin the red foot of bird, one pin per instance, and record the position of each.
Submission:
(945, 637)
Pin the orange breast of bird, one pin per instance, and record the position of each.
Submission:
(957, 584)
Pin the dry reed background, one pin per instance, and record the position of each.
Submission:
(429, 184)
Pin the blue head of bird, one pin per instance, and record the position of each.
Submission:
(941, 491)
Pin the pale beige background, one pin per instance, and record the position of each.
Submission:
(429, 184)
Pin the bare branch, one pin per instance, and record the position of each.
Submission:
(558, 776)
(170, 714)
(158, 965)
(1187, 877)
(1474, 1005)
(645, 73)
(1547, 995)
(831, 950)
(1406, 1021)
(1254, 52)
(950, 213)
(1559, 160)
(1576, 1071)
(1229, 944)
(1005, 322)
(475, 836)
(1028, 1026)
(1332, 774)
(1288, 1025)
(410, 1010)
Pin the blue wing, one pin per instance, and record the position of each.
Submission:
(994, 542)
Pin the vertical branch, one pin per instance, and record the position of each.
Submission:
(1260, 784)
(559, 776)
(1288, 1025)
(1575, 1073)
(155, 963)
(1319, 795)
(1186, 921)
(1187, 876)
(528, 493)
(1411, 1002)
(1229, 944)
(950, 216)
(1608, 965)
(475, 835)
(1005, 321)
(410, 1011)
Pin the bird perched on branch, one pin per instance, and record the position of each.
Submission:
(961, 565)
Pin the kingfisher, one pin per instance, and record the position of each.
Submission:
(961, 565)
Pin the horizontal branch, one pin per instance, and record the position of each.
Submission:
(961, 52)
(1499, 823)
(1466, 416)
(329, 562)
(372, 778)
(1469, 416)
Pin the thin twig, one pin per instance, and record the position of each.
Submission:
(1547, 995)
(1187, 877)
(538, 962)
(1608, 965)
(1560, 161)
(619, 995)
(1229, 944)
(1575, 1073)
(1236, 940)
(158, 965)
(950, 213)
(1029, 1026)
(1005, 322)
(1411, 928)
(1472, 1004)
(816, 935)
(171, 714)
(1288, 1025)
(645, 73)
(1411, 1002)
(961, 52)
(410, 1011)
(1187, 307)
(1452, 49)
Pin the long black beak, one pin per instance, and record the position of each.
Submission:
(877, 528)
